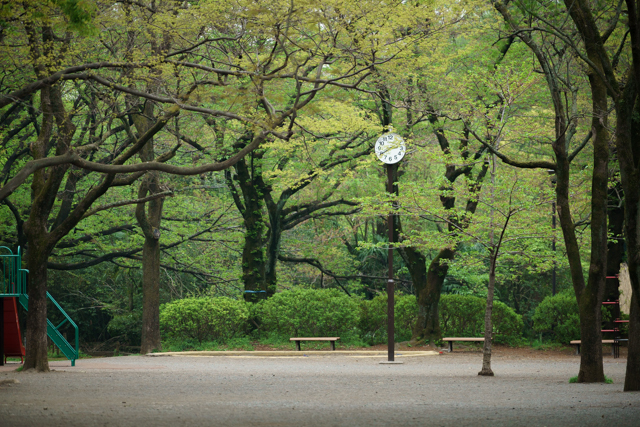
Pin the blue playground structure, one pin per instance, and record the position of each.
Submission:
(13, 286)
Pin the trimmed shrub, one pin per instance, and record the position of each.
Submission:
(373, 318)
(463, 316)
(204, 319)
(558, 318)
(309, 312)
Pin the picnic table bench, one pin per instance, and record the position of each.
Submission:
(332, 340)
(450, 340)
(614, 345)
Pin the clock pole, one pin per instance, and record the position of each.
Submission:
(390, 149)
(390, 283)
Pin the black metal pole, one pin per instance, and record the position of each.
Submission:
(390, 284)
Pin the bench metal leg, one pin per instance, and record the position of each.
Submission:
(577, 349)
(450, 346)
(333, 345)
(298, 345)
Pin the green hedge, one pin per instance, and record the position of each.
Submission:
(309, 312)
(373, 318)
(329, 312)
(463, 316)
(204, 319)
(558, 318)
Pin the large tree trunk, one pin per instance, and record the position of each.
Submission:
(590, 298)
(149, 216)
(632, 377)
(36, 348)
(150, 337)
(427, 285)
(628, 135)
(250, 204)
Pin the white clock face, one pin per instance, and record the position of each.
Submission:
(390, 148)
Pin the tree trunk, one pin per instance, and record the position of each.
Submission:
(632, 377)
(628, 131)
(488, 327)
(251, 207)
(149, 216)
(150, 338)
(36, 348)
(428, 285)
(590, 299)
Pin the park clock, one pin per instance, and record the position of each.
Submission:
(390, 148)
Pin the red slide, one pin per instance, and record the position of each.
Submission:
(12, 338)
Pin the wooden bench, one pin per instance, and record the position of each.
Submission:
(330, 339)
(450, 340)
(614, 345)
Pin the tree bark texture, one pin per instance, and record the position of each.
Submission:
(36, 348)
(250, 204)
(488, 327)
(632, 376)
(628, 147)
(149, 216)
(590, 299)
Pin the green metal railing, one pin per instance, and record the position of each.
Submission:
(14, 284)
(53, 332)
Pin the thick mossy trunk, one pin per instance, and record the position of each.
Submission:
(249, 202)
(253, 257)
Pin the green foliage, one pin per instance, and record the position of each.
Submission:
(309, 312)
(463, 316)
(126, 327)
(373, 318)
(557, 317)
(204, 319)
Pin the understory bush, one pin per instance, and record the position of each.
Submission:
(557, 318)
(463, 316)
(373, 318)
(309, 312)
(204, 319)
(126, 327)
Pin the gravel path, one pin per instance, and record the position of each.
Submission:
(324, 390)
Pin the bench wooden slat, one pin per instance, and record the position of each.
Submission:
(613, 343)
(314, 339)
(332, 340)
(450, 340)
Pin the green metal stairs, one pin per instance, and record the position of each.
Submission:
(13, 283)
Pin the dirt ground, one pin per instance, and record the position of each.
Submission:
(530, 388)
